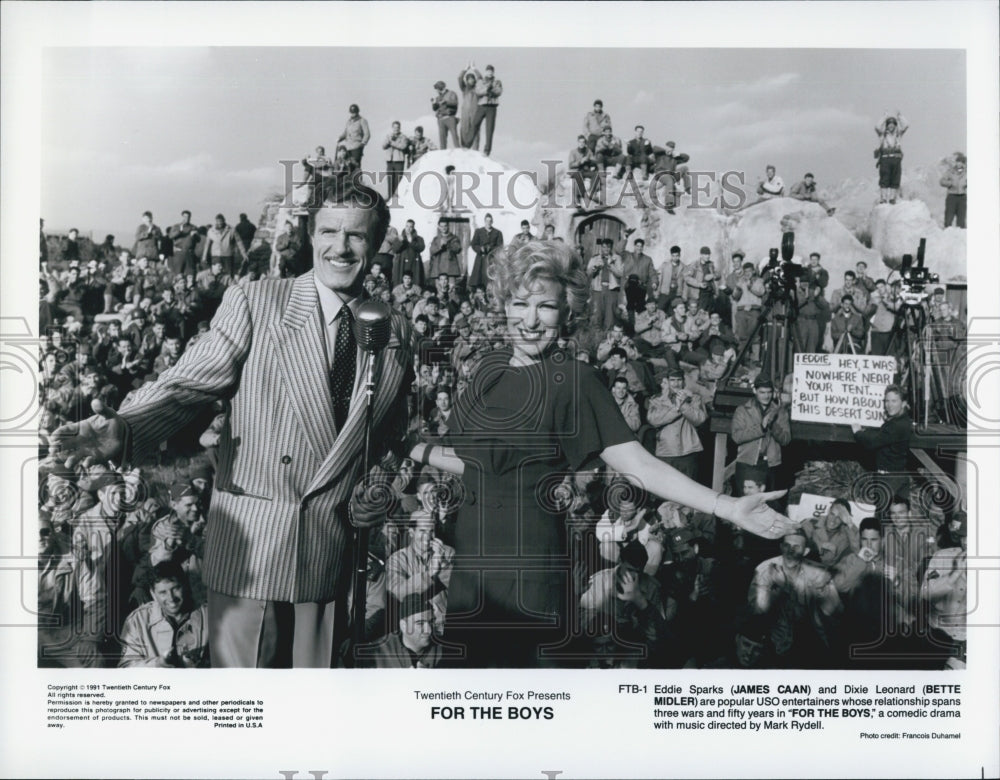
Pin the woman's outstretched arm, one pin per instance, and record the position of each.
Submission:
(751, 513)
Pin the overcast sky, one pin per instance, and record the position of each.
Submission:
(129, 129)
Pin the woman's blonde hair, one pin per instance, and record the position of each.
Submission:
(536, 261)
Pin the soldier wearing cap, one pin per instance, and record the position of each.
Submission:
(866, 560)
(623, 605)
(624, 523)
(813, 314)
(171, 540)
(637, 263)
(201, 479)
(700, 280)
(749, 648)
(445, 105)
(760, 428)
(671, 280)
(147, 238)
(687, 583)
(488, 91)
(412, 646)
(677, 413)
(594, 123)
(670, 171)
(185, 505)
(356, 135)
(835, 536)
(800, 599)
(422, 567)
(97, 566)
(605, 271)
(806, 190)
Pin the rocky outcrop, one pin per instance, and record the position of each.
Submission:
(897, 229)
(489, 185)
(759, 228)
(484, 184)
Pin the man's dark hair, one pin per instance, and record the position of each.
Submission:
(620, 380)
(639, 127)
(353, 108)
(675, 250)
(243, 216)
(185, 212)
(166, 570)
(340, 190)
(898, 499)
(814, 254)
(443, 389)
(871, 524)
(145, 214)
(221, 216)
(433, 299)
(808, 176)
(418, 129)
(525, 223)
(754, 628)
(639, 241)
(841, 502)
(850, 275)
(847, 298)
(634, 555)
(422, 318)
(599, 103)
(618, 351)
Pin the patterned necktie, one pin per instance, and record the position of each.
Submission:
(345, 350)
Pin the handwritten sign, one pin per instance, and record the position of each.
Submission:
(841, 389)
(813, 507)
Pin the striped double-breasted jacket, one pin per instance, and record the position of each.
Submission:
(277, 527)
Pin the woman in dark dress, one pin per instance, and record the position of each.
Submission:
(530, 415)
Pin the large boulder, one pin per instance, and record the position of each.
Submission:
(897, 229)
(759, 228)
(754, 230)
(643, 215)
(488, 186)
(855, 198)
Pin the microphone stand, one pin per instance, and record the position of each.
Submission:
(362, 534)
(372, 331)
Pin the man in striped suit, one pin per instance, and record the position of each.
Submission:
(282, 353)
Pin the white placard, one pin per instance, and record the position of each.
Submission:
(841, 389)
(815, 507)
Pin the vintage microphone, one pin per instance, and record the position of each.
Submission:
(372, 329)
